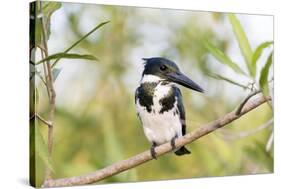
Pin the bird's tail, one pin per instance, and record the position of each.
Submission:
(182, 151)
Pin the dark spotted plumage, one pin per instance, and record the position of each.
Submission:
(145, 94)
(180, 109)
(168, 101)
(159, 103)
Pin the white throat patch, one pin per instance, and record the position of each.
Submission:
(150, 79)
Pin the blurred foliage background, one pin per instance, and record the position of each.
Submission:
(95, 120)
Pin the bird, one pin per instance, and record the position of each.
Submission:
(159, 103)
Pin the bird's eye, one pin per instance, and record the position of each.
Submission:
(163, 67)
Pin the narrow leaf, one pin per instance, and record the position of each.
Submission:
(220, 77)
(41, 149)
(68, 56)
(222, 58)
(81, 39)
(56, 72)
(264, 76)
(243, 41)
(48, 9)
(258, 52)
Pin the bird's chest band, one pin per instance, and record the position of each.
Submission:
(157, 97)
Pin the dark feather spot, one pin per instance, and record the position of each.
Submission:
(145, 95)
(167, 102)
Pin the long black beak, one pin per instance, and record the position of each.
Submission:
(183, 80)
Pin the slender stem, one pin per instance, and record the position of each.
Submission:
(235, 136)
(42, 119)
(239, 109)
(52, 92)
(45, 71)
(160, 150)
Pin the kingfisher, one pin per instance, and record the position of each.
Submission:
(159, 103)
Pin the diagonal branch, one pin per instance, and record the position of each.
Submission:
(160, 150)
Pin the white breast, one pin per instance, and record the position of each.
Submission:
(160, 127)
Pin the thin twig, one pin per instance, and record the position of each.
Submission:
(52, 92)
(251, 86)
(40, 47)
(239, 109)
(32, 117)
(44, 51)
(42, 119)
(234, 136)
(160, 150)
(31, 62)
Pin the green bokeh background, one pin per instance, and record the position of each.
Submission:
(95, 120)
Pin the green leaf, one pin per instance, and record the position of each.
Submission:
(222, 58)
(55, 73)
(243, 41)
(258, 52)
(219, 77)
(42, 150)
(81, 39)
(68, 56)
(264, 75)
(48, 9)
(39, 10)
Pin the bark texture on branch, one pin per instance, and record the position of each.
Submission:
(160, 150)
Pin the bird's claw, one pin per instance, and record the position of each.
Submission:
(173, 143)
(152, 151)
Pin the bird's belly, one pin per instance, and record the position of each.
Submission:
(161, 127)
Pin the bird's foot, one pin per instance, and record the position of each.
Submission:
(152, 150)
(173, 143)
